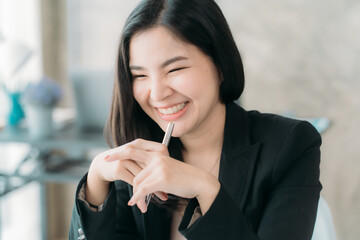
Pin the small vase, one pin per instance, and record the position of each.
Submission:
(39, 121)
(16, 112)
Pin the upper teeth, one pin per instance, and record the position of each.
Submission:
(173, 109)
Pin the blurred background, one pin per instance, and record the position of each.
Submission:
(301, 58)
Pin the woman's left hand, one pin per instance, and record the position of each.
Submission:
(165, 174)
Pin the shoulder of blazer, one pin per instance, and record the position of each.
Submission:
(252, 142)
(249, 127)
(274, 130)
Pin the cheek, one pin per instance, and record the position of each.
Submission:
(188, 84)
(140, 93)
(198, 83)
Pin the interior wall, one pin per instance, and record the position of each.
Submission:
(303, 56)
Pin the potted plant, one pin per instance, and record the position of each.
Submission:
(40, 98)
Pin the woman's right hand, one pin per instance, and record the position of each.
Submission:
(102, 172)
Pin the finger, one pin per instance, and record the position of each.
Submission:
(139, 178)
(133, 167)
(139, 144)
(149, 186)
(142, 175)
(127, 176)
(128, 171)
(147, 175)
(129, 154)
(142, 206)
(163, 196)
(148, 145)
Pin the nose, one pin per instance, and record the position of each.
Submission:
(159, 89)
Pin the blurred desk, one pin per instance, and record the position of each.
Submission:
(52, 158)
(58, 158)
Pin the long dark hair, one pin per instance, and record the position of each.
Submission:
(198, 22)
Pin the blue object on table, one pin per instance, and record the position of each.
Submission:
(16, 112)
(321, 124)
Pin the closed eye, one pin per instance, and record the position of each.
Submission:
(177, 69)
(138, 76)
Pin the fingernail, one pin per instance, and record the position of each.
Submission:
(107, 157)
(130, 203)
(165, 196)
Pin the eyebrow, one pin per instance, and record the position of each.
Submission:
(166, 63)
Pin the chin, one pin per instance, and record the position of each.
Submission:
(176, 134)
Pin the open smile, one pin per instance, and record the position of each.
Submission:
(172, 112)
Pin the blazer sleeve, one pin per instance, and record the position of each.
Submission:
(114, 221)
(291, 204)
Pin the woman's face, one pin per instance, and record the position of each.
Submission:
(174, 81)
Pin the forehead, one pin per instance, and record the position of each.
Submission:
(157, 44)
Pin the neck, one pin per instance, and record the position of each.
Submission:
(207, 140)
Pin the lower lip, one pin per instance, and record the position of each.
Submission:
(172, 117)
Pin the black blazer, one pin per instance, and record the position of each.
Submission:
(269, 175)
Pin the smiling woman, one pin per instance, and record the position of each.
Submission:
(227, 174)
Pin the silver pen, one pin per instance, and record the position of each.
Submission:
(165, 141)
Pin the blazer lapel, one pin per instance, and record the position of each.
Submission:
(238, 158)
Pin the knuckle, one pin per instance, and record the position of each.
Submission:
(165, 177)
(138, 141)
(163, 149)
(128, 149)
(160, 158)
(142, 191)
(162, 169)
